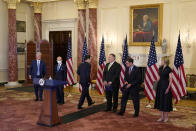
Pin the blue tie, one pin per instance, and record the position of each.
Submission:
(38, 70)
(58, 67)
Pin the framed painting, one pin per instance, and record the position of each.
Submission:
(145, 22)
(21, 26)
(20, 48)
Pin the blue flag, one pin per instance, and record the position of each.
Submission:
(85, 50)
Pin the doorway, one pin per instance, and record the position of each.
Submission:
(59, 39)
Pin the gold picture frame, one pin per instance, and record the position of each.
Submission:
(146, 21)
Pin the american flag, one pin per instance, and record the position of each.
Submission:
(85, 50)
(152, 72)
(84, 53)
(123, 66)
(69, 64)
(178, 86)
(102, 63)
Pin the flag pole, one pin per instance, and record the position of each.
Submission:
(69, 91)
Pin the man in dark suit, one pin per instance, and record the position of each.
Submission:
(111, 79)
(37, 70)
(60, 74)
(84, 71)
(132, 81)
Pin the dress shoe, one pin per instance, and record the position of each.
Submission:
(114, 110)
(106, 110)
(135, 115)
(80, 108)
(61, 103)
(160, 120)
(91, 103)
(165, 120)
(120, 113)
(36, 100)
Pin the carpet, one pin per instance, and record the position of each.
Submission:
(18, 112)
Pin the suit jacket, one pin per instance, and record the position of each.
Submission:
(61, 74)
(134, 78)
(33, 69)
(113, 74)
(84, 71)
(148, 27)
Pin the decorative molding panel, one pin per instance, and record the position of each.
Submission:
(141, 60)
(59, 25)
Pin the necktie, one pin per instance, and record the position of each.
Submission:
(109, 66)
(58, 67)
(38, 66)
(130, 70)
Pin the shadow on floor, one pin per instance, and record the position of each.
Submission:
(82, 113)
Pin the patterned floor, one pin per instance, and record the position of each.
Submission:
(18, 112)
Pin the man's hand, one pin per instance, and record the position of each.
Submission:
(167, 90)
(105, 83)
(126, 82)
(129, 85)
(29, 76)
(109, 83)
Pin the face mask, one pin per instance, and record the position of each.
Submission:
(59, 62)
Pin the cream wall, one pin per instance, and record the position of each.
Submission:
(25, 13)
(113, 21)
(3, 41)
(61, 16)
(59, 10)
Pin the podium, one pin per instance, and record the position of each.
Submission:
(49, 112)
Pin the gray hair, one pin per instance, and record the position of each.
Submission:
(38, 53)
(146, 16)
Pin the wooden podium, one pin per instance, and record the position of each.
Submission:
(49, 112)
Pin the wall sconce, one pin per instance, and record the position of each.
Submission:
(109, 40)
(187, 39)
(164, 46)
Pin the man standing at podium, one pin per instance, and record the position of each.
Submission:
(37, 70)
(84, 71)
(60, 74)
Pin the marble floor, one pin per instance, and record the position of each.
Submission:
(18, 112)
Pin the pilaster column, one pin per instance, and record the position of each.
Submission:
(81, 27)
(37, 6)
(12, 40)
(92, 35)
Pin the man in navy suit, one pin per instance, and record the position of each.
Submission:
(84, 71)
(111, 79)
(132, 81)
(37, 70)
(60, 74)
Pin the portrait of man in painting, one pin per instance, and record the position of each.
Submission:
(145, 23)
